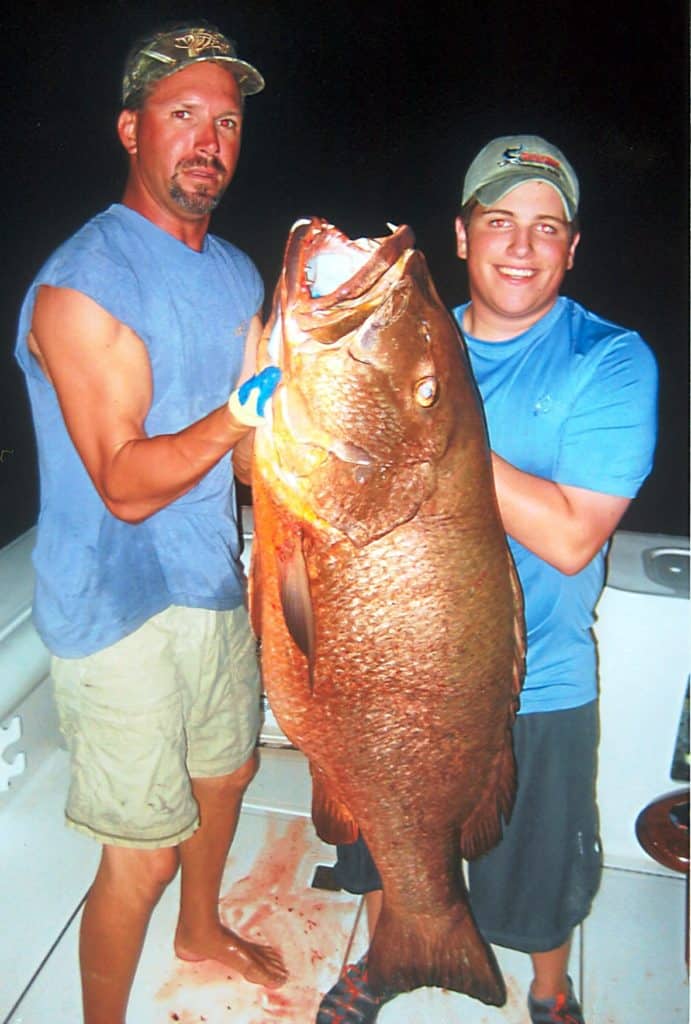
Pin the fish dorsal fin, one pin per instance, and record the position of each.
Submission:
(519, 631)
(483, 828)
(296, 600)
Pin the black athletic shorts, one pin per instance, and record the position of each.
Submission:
(538, 883)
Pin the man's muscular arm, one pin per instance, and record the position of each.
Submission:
(101, 372)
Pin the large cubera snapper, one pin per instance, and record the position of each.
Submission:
(383, 591)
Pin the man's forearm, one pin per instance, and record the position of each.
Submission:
(242, 458)
(565, 526)
(146, 474)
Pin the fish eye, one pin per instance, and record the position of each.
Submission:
(427, 392)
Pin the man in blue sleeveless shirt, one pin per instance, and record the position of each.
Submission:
(570, 403)
(132, 337)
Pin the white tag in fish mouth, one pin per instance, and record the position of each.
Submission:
(327, 270)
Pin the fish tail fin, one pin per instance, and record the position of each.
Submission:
(412, 950)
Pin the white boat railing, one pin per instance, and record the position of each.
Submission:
(24, 659)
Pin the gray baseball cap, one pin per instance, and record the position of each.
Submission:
(511, 160)
(165, 52)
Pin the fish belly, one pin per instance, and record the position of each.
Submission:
(405, 718)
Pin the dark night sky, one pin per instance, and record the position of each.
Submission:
(371, 114)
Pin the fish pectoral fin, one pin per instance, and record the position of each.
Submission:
(332, 819)
(296, 600)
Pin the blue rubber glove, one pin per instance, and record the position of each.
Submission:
(248, 402)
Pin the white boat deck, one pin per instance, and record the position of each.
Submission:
(267, 895)
(628, 960)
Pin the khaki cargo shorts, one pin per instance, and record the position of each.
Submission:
(177, 699)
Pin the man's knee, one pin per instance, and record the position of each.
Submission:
(229, 786)
(240, 779)
(245, 773)
(144, 871)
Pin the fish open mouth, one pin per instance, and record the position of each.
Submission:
(326, 267)
(332, 283)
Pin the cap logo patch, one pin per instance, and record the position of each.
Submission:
(515, 155)
(198, 41)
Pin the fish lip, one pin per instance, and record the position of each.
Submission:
(309, 235)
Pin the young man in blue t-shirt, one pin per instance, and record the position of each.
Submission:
(570, 402)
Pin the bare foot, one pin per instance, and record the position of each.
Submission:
(262, 965)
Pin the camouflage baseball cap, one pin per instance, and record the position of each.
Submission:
(165, 52)
(511, 160)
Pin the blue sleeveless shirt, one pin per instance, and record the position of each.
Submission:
(99, 578)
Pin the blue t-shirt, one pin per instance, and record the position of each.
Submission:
(574, 400)
(99, 578)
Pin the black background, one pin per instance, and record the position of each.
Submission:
(371, 114)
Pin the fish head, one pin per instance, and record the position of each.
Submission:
(371, 368)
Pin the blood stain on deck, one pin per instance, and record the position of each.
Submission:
(273, 904)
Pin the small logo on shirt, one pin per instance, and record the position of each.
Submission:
(543, 405)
